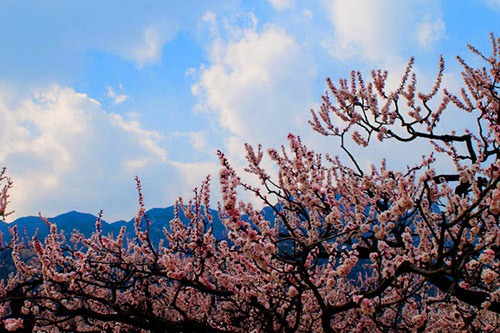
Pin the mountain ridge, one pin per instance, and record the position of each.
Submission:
(85, 223)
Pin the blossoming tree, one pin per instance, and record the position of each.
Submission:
(346, 248)
(5, 184)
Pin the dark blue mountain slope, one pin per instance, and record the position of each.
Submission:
(85, 223)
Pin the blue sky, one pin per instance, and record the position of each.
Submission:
(93, 93)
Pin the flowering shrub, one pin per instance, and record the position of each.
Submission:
(347, 249)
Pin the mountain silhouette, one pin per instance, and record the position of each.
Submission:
(29, 226)
(85, 223)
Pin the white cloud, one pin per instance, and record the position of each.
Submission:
(380, 30)
(148, 48)
(64, 152)
(282, 4)
(430, 31)
(135, 164)
(193, 174)
(117, 98)
(256, 83)
(190, 72)
(199, 140)
(361, 28)
(495, 4)
(209, 17)
(146, 138)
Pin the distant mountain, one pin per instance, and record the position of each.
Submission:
(28, 226)
(85, 223)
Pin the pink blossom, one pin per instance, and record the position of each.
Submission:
(367, 306)
(292, 291)
(13, 324)
(488, 275)
(418, 320)
(357, 298)
(487, 256)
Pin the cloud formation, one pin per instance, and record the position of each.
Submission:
(115, 97)
(495, 4)
(282, 4)
(64, 152)
(430, 31)
(148, 49)
(379, 30)
(257, 83)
